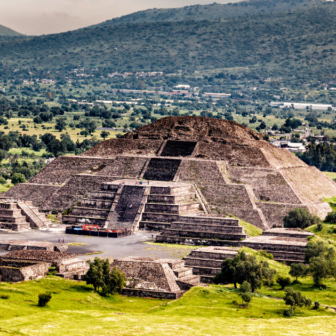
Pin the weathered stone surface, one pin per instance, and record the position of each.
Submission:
(233, 170)
(13, 245)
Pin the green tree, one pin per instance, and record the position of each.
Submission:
(61, 124)
(245, 292)
(331, 217)
(283, 281)
(104, 134)
(117, 281)
(298, 270)
(300, 218)
(95, 275)
(3, 155)
(18, 178)
(295, 299)
(44, 299)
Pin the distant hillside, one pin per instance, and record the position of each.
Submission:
(303, 41)
(212, 12)
(4, 31)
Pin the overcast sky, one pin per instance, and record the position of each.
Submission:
(37, 17)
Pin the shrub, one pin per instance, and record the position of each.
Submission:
(300, 218)
(298, 270)
(44, 299)
(4, 296)
(316, 305)
(2, 180)
(18, 178)
(283, 281)
(331, 217)
(265, 254)
(319, 227)
(294, 299)
(245, 292)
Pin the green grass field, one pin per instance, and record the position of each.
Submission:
(75, 309)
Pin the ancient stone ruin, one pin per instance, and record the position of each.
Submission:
(229, 167)
(31, 264)
(159, 278)
(19, 245)
(21, 216)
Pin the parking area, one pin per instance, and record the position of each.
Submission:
(140, 244)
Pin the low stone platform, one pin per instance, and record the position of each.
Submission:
(206, 261)
(160, 278)
(16, 245)
(66, 264)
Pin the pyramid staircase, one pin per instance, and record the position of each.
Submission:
(20, 216)
(94, 209)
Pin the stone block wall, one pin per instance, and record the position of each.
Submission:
(113, 147)
(234, 154)
(78, 188)
(281, 158)
(159, 273)
(275, 212)
(36, 193)
(125, 167)
(200, 171)
(309, 184)
(232, 199)
(16, 270)
(267, 184)
(65, 167)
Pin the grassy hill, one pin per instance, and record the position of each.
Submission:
(4, 31)
(211, 12)
(299, 41)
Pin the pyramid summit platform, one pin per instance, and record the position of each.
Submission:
(225, 168)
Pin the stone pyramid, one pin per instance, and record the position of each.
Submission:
(230, 168)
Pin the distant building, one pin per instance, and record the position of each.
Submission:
(304, 106)
(182, 86)
(291, 146)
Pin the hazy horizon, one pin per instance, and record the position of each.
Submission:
(38, 17)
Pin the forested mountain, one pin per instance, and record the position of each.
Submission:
(4, 31)
(212, 12)
(303, 41)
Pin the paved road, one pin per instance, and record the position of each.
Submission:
(135, 245)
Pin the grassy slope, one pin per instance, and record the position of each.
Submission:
(330, 175)
(76, 309)
(4, 31)
(210, 12)
(286, 41)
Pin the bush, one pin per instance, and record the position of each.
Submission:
(294, 299)
(5, 297)
(18, 178)
(300, 218)
(319, 227)
(265, 254)
(2, 180)
(44, 299)
(331, 217)
(283, 281)
(316, 305)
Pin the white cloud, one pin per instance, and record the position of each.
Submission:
(37, 17)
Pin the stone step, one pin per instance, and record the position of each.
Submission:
(154, 225)
(196, 241)
(209, 220)
(174, 191)
(96, 203)
(203, 270)
(207, 227)
(270, 248)
(177, 264)
(15, 226)
(199, 254)
(102, 196)
(159, 217)
(167, 199)
(191, 279)
(71, 219)
(11, 212)
(171, 208)
(16, 220)
(204, 234)
(212, 263)
(82, 211)
(183, 272)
